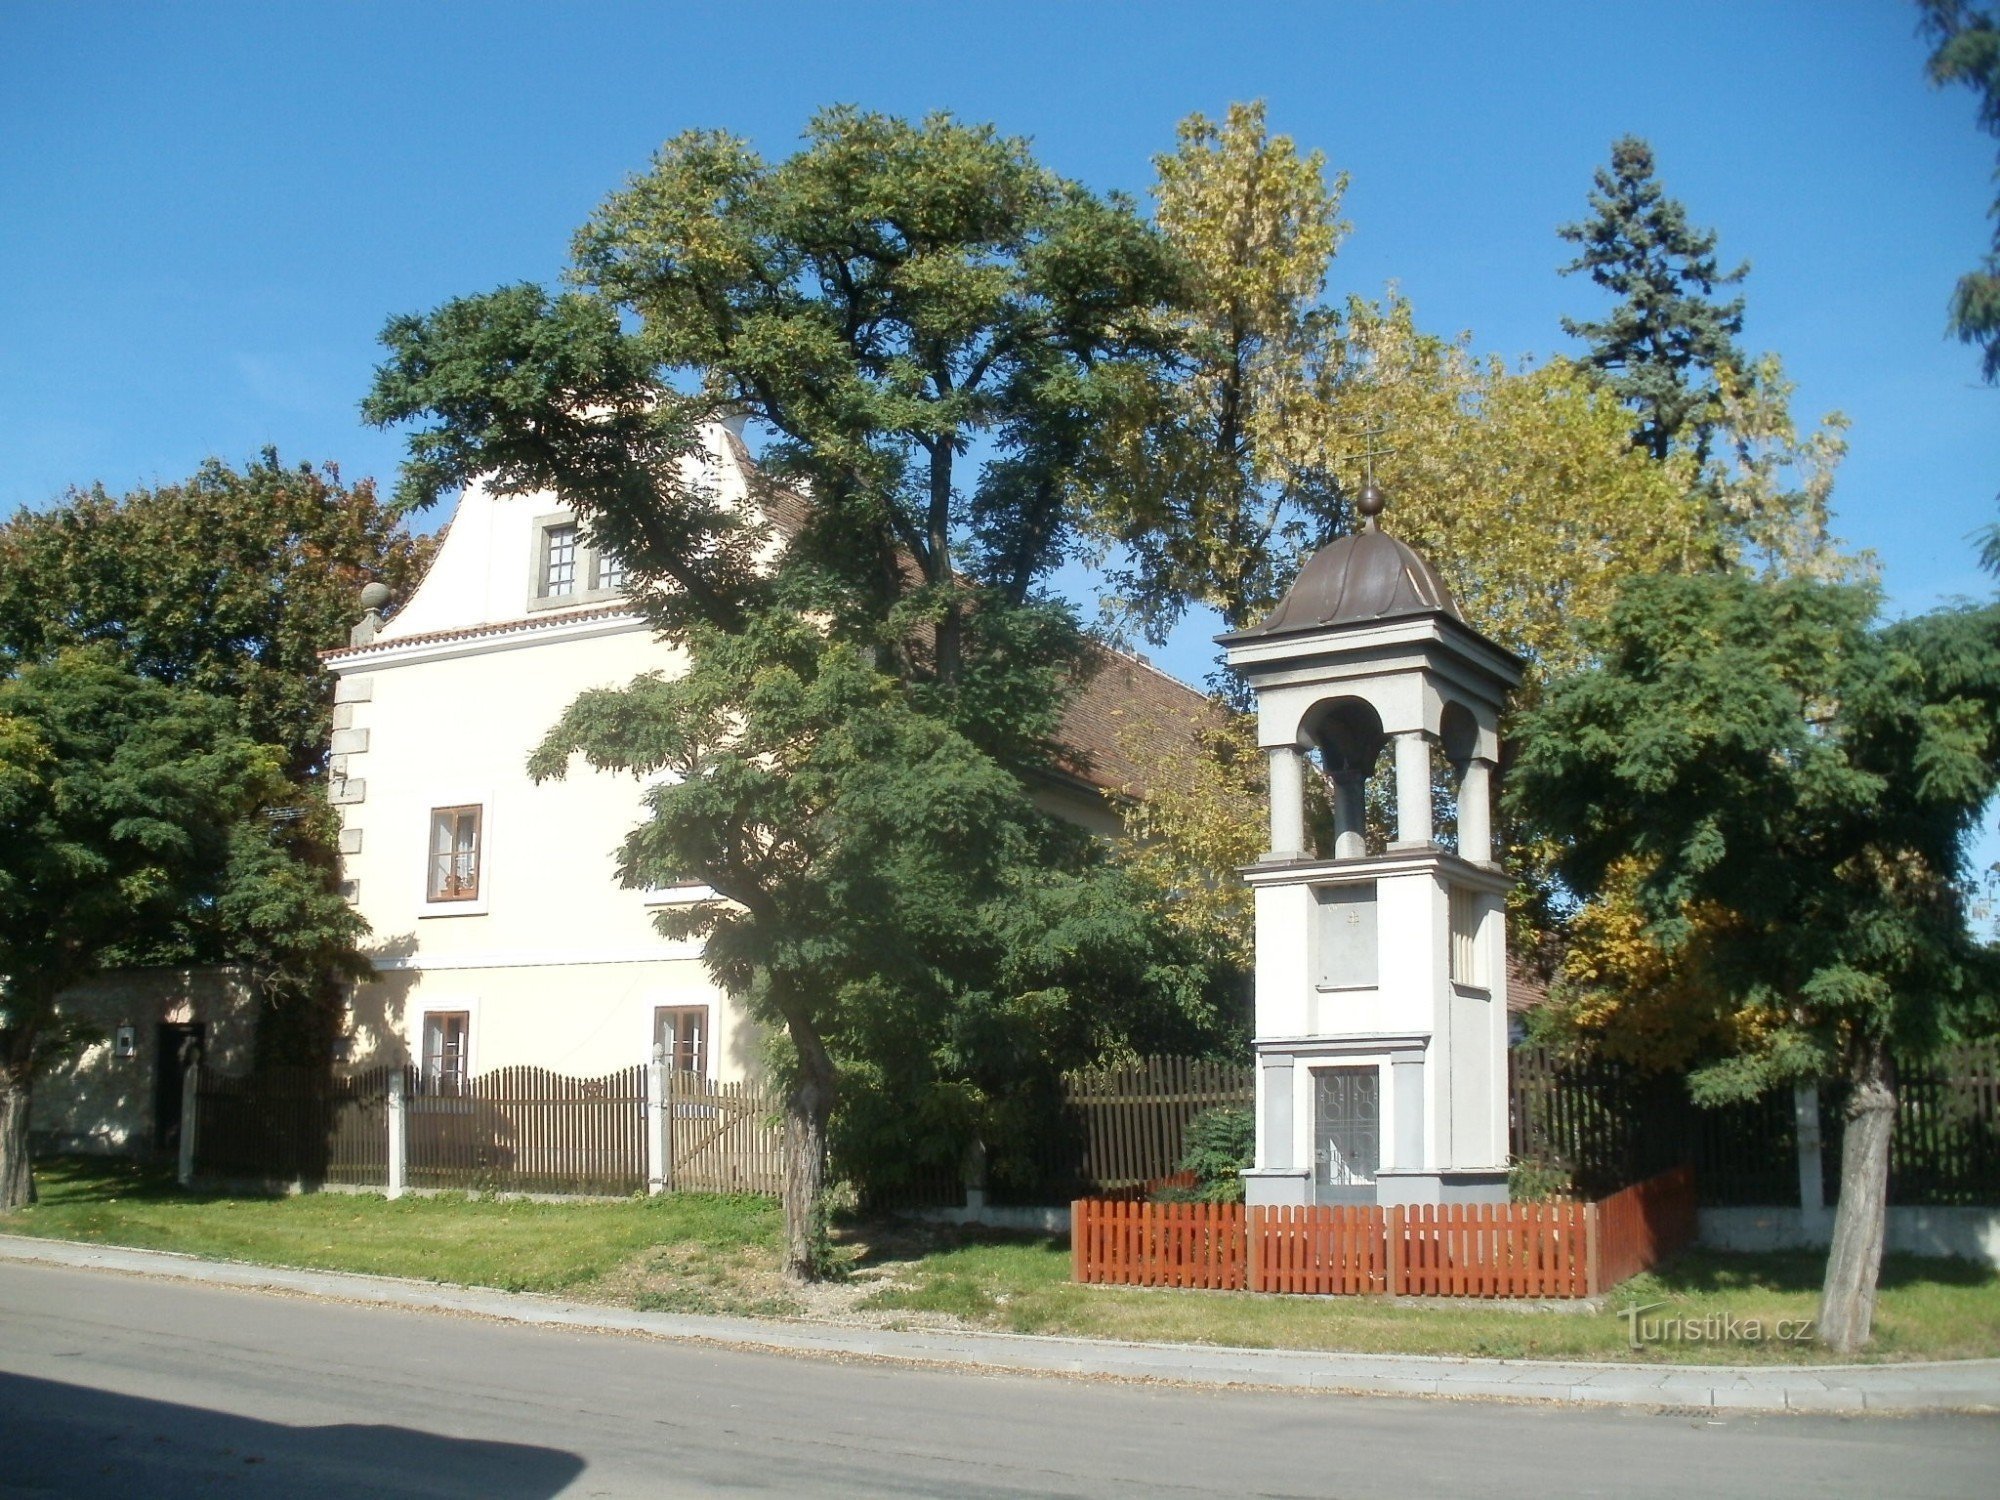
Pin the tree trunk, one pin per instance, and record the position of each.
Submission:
(17, 1183)
(806, 1111)
(1847, 1301)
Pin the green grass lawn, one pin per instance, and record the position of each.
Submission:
(613, 1249)
(700, 1253)
(1927, 1309)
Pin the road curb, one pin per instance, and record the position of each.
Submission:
(1938, 1386)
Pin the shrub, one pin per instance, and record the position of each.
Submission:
(1220, 1143)
(1535, 1181)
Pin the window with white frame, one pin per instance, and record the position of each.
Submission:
(455, 853)
(447, 1050)
(681, 1031)
(565, 569)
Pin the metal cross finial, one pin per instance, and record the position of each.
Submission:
(1369, 454)
(1370, 500)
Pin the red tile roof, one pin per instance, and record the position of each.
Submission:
(541, 620)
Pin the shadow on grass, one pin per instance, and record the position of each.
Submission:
(877, 1241)
(1706, 1272)
(74, 1180)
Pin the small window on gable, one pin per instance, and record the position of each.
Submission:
(682, 1034)
(454, 873)
(566, 569)
(559, 559)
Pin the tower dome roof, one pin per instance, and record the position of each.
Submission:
(1366, 576)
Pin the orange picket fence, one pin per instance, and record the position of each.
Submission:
(1493, 1249)
(1158, 1244)
(1427, 1250)
(1643, 1224)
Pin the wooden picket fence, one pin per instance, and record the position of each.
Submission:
(1159, 1244)
(1495, 1250)
(529, 1130)
(722, 1137)
(1134, 1117)
(1324, 1251)
(290, 1125)
(1642, 1225)
(522, 1130)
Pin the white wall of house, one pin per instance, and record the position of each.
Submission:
(107, 1096)
(554, 964)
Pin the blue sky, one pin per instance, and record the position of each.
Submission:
(208, 211)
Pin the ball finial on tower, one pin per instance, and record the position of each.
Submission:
(1370, 502)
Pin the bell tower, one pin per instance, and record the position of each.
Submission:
(1381, 946)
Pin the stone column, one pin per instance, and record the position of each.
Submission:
(190, 1120)
(1475, 812)
(1288, 803)
(1350, 814)
(1413, 789)
(1407, 1136)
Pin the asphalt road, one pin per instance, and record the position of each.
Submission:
(118, 1386)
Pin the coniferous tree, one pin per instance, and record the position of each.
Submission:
(1661, 345)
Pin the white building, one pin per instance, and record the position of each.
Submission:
(500, 933)
(1382, 970)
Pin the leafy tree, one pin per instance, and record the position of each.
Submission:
(881, 301)
(893, 899)
(1526, 493)
(1523, 486)
(1662, 345)
(1519, 487)
(1218, 489)
(1201, 816)
(123, 804)
(228, 584)
(232, 583)
(870, 693)
(1967, 51)
(1793, 788)
(1770, 484)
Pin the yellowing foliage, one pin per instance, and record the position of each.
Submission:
(1637, 1002)
(1202, 818)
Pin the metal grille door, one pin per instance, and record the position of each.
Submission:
(1347, 1126)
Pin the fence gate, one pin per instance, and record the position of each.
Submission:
(721, 1137)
